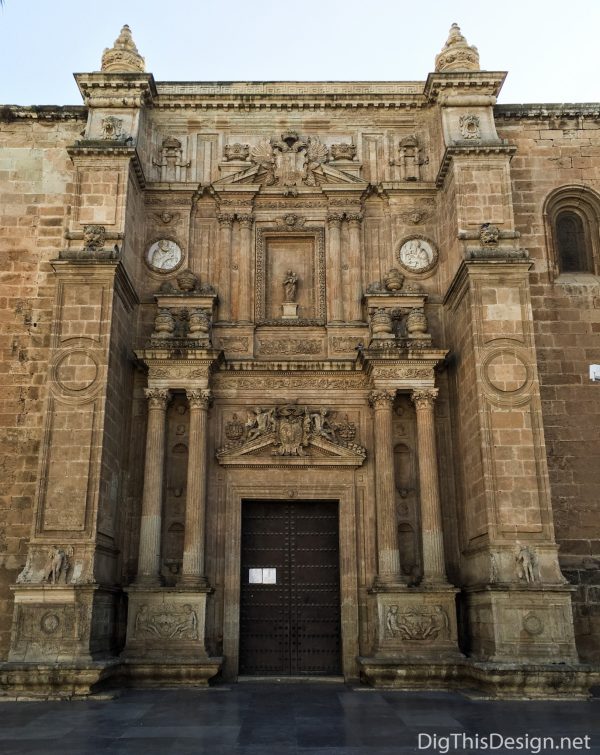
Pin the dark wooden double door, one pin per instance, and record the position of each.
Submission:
(290, 589)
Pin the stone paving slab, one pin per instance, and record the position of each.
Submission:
(288, 719)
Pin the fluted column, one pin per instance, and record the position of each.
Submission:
(385, 490)
(434, 570)
(334, 279)
(192, 572)
(151, 523)
(223, 272)
(355, 288)
(244, 298)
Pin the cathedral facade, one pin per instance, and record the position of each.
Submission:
(296, 383)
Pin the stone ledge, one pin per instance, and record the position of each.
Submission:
(485, 680)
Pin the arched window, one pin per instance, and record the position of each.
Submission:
(572, 247)
(572, 215)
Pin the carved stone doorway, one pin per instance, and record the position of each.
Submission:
(290, 612)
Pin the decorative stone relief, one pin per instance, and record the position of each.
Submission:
(489, 234)
(291, 221)
(234, 344)
(417, 623)
(290, 382)
(170, 160)
(470, 127)
(57, 565)
(166, 217)
(289, 161)
(112, 128)
(236, 151)
(533, 625)
(526, 563)
(417, 215)
(170, 622)
(164, 255)
(343, 151)
(345, 343)
(289, 346)
(417, 254)
(94, 237)
(290, 429)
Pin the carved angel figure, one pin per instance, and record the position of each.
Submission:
(262, 422)
(322, 425)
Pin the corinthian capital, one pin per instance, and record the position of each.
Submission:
(382, 399)
(199, 399)
(225, 219)
(423, 398)
(335, 218)
(245, 221)
(354, 218)
(158, 398)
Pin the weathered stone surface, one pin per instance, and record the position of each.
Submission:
(281, 332)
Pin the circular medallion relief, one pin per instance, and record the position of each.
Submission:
(164, 256)
(417, 254)
(532, 624)
(49, 623)
(76, 371)
(506, 372)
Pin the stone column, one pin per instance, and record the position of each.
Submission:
(150, 528)
(434, 570)
(354, 294)
(334, 278)
(244, 297)
(223, 272)
(192, 572)
(385, 490)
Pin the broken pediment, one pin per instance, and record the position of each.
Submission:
(290, 435)
(290, 162)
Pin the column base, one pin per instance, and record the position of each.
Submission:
(164, 623)
(517, 623)
(189, 582)
(415, 623)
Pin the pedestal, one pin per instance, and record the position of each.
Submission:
(166, 637)
(290, 310)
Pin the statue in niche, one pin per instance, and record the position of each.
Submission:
(290, 285)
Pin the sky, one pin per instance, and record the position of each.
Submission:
(550, 48)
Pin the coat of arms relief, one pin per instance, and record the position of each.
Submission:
(295, 434)
(290, 161)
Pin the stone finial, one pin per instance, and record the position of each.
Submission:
(457, 54)
(123, 56)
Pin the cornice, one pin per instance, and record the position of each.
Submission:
(548, 110)
(10, 113)
(491, 148)
(460, 82)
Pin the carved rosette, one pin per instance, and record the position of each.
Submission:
(158, 398)
(424, 398)
(199, 399)
(382, 399)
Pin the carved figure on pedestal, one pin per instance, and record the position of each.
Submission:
(56, 566)
(527, 563)
(290, 285)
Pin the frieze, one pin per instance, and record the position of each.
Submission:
(289, 346)
(234, 343)
(308, 382)
(345, 343)
(159, 373)
(403, 373)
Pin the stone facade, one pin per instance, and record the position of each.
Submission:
(382, 294)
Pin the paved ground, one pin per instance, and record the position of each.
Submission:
(281, 719)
